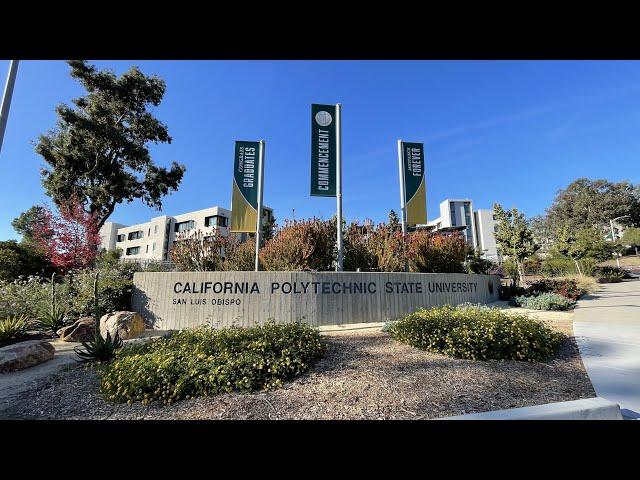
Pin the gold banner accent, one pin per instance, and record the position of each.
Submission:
(243, 216)
(417, 206)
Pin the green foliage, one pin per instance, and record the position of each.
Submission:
(23, 297)
(477, 333)
(587, 203)
(21, 259)
(26, 224)
(476, 263)
(631, 237)
(13, 328)
(206, 361)
(565, 287)
(98, 153)
(436, 253)
(510, 269)
(608, 274)
(99, 350)
(545, 301)
(513, 236)
(55, 317)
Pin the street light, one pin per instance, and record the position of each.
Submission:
(613, 239)
(6, 97)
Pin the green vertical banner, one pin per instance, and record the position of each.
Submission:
(414, 183)
(244, 200)
(323, 150)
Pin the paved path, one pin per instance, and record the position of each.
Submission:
(607, 329)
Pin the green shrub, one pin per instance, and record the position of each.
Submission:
(13, 328)
(608, 274)
(565, 287)
(558, 267)
(545, 301)
(477, 333)
(23, 297)
(206, 361)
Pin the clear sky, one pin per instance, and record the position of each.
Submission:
(512, 132)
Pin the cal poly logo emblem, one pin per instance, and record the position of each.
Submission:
(323, 118)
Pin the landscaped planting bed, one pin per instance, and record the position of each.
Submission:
(364, 375)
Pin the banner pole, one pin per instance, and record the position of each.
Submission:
(260, 192)
(339, 185)
(403, 204)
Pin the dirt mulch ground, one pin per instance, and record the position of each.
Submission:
(365, 375)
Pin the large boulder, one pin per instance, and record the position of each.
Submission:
(82, 330)
(23, 355)
(127, 324)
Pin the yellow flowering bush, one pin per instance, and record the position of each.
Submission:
(206, 361)
(477, 333)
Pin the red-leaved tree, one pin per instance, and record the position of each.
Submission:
(69, 239)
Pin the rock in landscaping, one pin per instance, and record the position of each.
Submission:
(82, 330)
(127, 324)
(25, 354)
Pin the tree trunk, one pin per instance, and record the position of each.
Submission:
(577, 267)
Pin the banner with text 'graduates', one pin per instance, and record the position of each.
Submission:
(323, 150)
(414, 182)
(244, 200)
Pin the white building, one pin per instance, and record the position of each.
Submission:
(478, 227)
(485, 226)
(152, 240)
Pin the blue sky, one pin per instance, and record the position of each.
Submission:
(512, 132)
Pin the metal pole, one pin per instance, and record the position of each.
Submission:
(613, 239)
(260, 192)
(6, 98)
(339, 184)
(403, 204)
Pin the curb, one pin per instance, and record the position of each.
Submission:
(596, 408)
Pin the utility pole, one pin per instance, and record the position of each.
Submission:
(6, 98)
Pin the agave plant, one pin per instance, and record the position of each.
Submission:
(55, 317)
(99, 349)
(13, 328)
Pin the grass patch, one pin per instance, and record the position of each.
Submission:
(207, 361)
(477, 333)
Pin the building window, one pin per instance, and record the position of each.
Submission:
(495, 229)
(494, 218)
(453, 215)
(155, 229)
(184, 226)
(153, 247)
(133, 250)
(149, 232)
(121, 238)
(216, 221)
(147, 248)
(135, 235)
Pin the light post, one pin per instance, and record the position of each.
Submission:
(613, 237)
(6, 97)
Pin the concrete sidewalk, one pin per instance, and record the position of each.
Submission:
(607, 330)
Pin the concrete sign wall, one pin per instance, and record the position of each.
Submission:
(178, 300)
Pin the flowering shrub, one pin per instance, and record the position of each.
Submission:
(301, 245)
(206, 361)
(544, 301)
(477, 333)
(359, 249)
(565, 287)
(389, 249)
